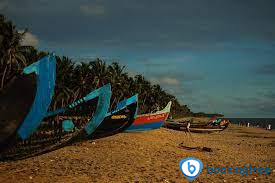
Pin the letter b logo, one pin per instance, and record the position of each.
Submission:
(190, 167)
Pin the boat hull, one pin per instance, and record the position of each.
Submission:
(15, 105)
(148, 122)
(62, 127)
(144, 127)
(195, 128)
(117, 121)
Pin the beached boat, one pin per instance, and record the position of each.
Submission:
(209, 128)
(25, 100)
(213, 126)
(63, 126)
(118, 120)
(150, 121)
(172, 125)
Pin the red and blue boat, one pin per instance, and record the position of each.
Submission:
(150, 121)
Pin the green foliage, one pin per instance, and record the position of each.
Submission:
(12, 59)
(75, 81)
(202, 114)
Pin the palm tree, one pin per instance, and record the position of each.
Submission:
(99, 69)
(63, 87)
(12, 59)
(118, 80)
(83, 80)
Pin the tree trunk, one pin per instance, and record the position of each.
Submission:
(111, 108)
(3, 77)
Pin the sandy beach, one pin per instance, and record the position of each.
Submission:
(151, 156)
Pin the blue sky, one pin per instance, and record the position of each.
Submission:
(214, 55)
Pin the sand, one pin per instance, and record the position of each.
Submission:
(151, 156)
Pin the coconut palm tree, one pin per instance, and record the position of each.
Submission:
(100, 72)
(12, 59)
(63, 88)
(118, 79)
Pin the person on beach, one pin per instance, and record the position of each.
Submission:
(268, 127)
(188, 126)
(188, 129)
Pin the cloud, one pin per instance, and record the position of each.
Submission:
(270, 95)
(183, 76)
(268, 69)
(93, 9)
(254, 105)
(165, 81)
(170, 81)
(29, 39)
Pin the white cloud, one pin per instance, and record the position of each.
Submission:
(29, 39)
(166, 81)
(93, 9)
(170, 81)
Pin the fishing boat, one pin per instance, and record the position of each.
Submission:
(118, 120)
(25, 100)
(213, 126)
(150, 121)
(63, 126)
(173, 125)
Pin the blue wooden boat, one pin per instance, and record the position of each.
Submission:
(118, 120)
(25, 101)
(64, 126)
